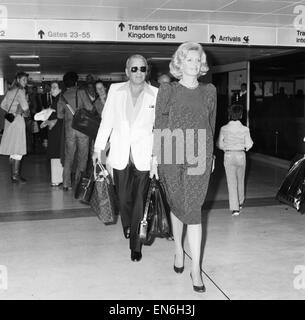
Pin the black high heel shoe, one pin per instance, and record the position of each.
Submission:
(178, 269)
(198, 288)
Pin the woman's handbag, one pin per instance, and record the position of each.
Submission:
(84, 188)
(84, 121)
(292, 190)
(156, 218)
(159, 214)
(104, 200)
(9, 116)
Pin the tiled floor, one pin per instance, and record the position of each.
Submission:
(53, 247)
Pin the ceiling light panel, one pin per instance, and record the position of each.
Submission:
(24, 57)
(27, 64)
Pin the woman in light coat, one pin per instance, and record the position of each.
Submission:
(13, 141)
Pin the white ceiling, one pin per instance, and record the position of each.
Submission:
(98, 58)
(237, 12)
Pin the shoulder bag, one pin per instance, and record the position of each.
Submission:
(84, 121)
(9, 116)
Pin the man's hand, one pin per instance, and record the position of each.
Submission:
(213, 163)
(44, 124)
(96, 157)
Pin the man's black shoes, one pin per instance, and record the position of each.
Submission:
(135, 255)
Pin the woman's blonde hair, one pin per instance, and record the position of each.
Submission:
(180, 55)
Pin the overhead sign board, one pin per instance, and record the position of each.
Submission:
(66, 30)
(16, 29)
(240, 35)
(291, 37)
(161, 32)
(155, 32)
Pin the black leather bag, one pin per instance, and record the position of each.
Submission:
(292, 190)
(87, 122)
(104, 199)
(84, 188)
(159, 213)
(156, 218)
(84, 121)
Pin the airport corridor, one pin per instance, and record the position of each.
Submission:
(54, 247)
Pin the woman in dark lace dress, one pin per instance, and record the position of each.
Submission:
(187, 109)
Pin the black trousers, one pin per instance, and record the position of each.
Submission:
(132, 187)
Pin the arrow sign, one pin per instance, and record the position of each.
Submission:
(41, 34)
(122, 26)
(246, 39)
(213, 37)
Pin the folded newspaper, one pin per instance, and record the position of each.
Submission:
(43, 115)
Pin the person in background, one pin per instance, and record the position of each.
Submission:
(35, 107)
(90, 88)
(164, 78)
(234, 139)
(13, 142)
(242, 100)
(99, 106)
(186, 105)
(101, 96)
(45, 98)
(76, 143)
(128, 119)
(55, 126)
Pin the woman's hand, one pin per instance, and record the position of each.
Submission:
(26, 113)
(96, 157)
(154, 171)
(51, 123)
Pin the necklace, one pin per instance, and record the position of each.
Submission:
(193, 86)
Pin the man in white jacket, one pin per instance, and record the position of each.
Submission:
(128, 118)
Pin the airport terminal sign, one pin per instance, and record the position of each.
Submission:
(91, 31)
(161, 32)
(15, 29)
(291, 37)
(240, 35)
(74, 30)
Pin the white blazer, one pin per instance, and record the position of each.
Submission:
(138, 136)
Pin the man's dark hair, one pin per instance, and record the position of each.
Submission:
(235, 112)
(98, 81)
(70, 79)
(21, 74)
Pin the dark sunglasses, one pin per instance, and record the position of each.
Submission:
(135, 69)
